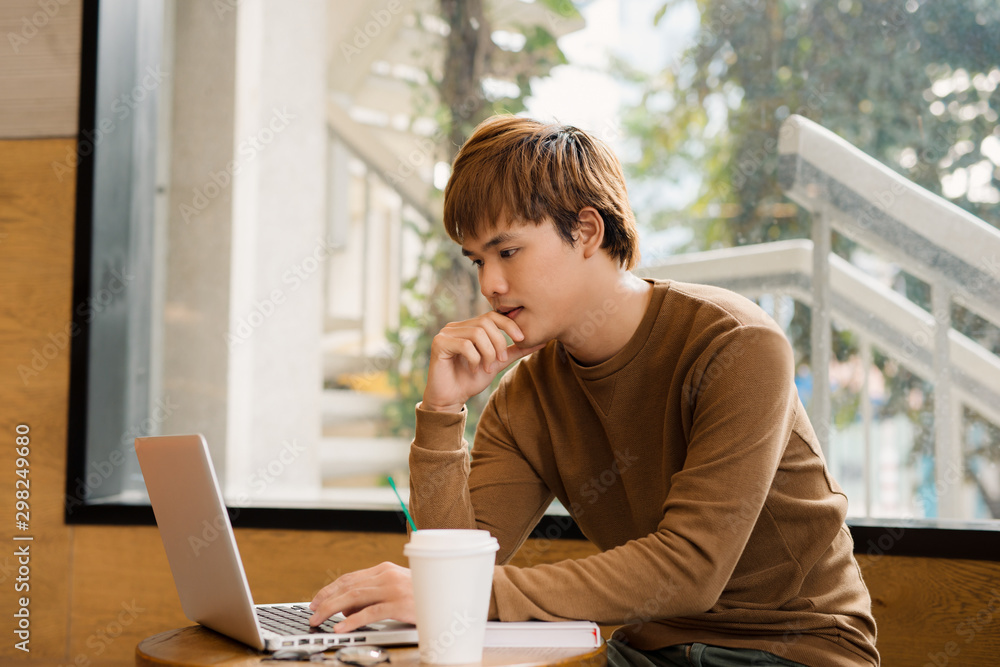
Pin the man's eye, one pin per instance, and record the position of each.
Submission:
(478, 263)
(508, 253)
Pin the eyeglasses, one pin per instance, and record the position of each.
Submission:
(363, 656)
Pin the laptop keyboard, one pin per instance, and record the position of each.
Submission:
(294, 620)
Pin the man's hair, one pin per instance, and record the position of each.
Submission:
(518, 170)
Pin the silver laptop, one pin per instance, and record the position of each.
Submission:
(201, 548)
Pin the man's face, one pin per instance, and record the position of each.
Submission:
(530, 274)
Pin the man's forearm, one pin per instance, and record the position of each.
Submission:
(439, 471)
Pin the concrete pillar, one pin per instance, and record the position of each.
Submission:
(279, 250)
(247, 241)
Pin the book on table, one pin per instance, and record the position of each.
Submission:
(560, 634)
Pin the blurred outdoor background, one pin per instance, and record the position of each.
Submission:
(691, 94)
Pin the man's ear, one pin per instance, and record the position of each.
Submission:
(590, 230)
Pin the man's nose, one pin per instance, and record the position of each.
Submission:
(491, 281)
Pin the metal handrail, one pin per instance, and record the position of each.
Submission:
(927, 235)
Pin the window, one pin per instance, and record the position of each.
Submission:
(261, 260)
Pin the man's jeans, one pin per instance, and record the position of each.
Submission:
(692, 655)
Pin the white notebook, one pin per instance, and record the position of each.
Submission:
(563, 634)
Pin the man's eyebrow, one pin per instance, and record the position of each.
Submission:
(502, 237)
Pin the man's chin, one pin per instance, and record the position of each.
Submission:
(531, 341)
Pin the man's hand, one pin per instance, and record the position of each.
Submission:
(466, 356)
(366, 596)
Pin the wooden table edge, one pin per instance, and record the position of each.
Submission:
(240, 655)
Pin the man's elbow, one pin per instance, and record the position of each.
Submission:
(673, 598)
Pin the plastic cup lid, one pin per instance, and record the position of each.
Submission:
(450, 542)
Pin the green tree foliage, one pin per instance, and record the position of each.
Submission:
(913, 84)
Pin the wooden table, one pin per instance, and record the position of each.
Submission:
(198, 646)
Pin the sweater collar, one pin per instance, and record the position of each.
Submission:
(634, 344)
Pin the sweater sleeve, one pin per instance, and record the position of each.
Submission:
(439, 471)
(501, 493)
(741, 405)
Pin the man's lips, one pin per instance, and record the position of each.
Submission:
(511, 313)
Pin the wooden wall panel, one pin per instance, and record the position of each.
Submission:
(122, 592)
(36, 237)
(39, 67)
(935, 611)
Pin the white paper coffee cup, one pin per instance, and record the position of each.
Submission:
(452, 574)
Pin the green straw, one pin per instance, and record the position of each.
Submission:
(402, 504)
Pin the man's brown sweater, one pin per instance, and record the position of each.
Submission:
(688, 459)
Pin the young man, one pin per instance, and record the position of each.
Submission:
(721, 532)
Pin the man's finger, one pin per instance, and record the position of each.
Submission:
(486, 345)
(507, 325)
(341, 596)
(334, 588)
(514, 352)
(323, 594)
(355, 598)
(370, 614)
(498, 341)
